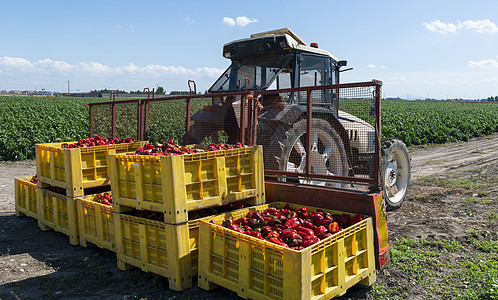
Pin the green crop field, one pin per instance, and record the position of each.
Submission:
(25, 121)
(438, 122)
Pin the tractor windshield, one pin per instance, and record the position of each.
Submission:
(255, 73)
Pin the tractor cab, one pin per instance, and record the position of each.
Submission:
(277, 59)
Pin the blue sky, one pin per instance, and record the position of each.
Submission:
(437, 49)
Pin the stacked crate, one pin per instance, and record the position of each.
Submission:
(259, 269)
(67, 173)
(26, 202)
(95, 222)
(175, 186)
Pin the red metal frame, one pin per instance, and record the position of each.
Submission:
(249, 108)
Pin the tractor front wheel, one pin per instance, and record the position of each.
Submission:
(395, 173)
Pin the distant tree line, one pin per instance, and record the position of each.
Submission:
(180, 93)
(159, 90)
(495, 98)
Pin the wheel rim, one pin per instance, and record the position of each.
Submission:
(323, 162)
(396, 176)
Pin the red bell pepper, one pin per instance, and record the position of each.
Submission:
(236, 227)
(278, 242)
(293, 223)
(320, 231)
(265, 230)
(284, 233)
(304, 232)
(241, 221)
(298, 248)
(273, 234)
(271, 211)
(334, 227)
(294, 239)
(310, 240)
(284, 213)
(256, 234)
(318, 219)
(326, 223)
(227, 223)
(355, 219)
(257, 215)
(307, 224)
(326, 235)
(302, 212)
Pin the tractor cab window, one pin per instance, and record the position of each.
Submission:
(314, 70)
(283, 81)
(223, 83)
(251, 73)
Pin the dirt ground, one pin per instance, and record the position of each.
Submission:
(43, 265)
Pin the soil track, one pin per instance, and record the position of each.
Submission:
(36, 264)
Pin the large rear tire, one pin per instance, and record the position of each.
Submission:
(395, 173)
(328, 154)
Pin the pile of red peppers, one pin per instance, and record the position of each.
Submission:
(295, 229)
(171, 148)
(105, 198)
(97, 141)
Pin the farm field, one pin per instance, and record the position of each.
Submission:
(25, 121)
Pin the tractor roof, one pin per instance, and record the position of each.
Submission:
(291, 42)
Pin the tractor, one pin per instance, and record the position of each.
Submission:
(342, 144)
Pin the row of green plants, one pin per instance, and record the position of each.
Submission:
(25, 121)
(438, 122)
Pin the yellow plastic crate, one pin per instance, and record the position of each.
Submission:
(58, 212)
(164, 249)
(178, 184)
(26, 201)
(257, 269)
(96, 223)
(76, 169)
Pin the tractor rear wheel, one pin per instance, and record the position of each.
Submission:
(328, 154)
(395, 172)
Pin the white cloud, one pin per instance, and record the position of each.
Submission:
(480, 26)
(91, 75)
(239, 21)
(17, 63)
(52, 65)
(243, 21)
(228, 21)
(440, 27)
(132, 27)
(485, 64)
(374, 66)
